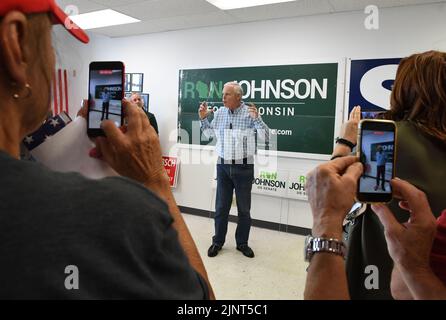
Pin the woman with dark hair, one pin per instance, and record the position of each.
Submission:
(418, 105)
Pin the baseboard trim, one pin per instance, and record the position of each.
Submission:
(255, 223)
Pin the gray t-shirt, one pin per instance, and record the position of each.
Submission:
(117, 234)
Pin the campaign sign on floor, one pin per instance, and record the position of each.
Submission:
(298, 102)
(296, 185)
(270, 182)
(371, 82)
(280, 183)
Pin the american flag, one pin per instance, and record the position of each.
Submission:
(60, 116)
(60, 92)
(49, 128)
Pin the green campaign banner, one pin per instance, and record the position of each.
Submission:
(297, 102)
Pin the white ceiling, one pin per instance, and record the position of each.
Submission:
(168, 15)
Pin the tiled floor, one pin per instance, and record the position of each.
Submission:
(276, 272)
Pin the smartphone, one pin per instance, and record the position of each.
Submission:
(376, 150)
(105, 94)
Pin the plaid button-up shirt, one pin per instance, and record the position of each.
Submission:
(235, 132)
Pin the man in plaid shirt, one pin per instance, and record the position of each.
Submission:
(235, 126)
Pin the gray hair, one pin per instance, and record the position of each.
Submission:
(238, 88)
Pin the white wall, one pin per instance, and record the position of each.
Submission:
(75, 58)
(287, 41)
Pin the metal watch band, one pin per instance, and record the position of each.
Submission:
(318, 244)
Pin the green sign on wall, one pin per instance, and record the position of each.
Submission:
(298, 102)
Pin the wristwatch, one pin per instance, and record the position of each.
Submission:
(316, 244)
(346, 142)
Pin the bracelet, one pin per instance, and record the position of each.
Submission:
(346, 143)
(317, 244)
(336, 156)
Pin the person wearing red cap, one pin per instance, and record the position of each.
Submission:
(58, 16)
(66, 236)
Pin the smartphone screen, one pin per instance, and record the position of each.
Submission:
(105, 94)
(376, 150)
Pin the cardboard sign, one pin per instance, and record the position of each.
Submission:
(171, 165)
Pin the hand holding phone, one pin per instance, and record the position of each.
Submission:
(105, 94)
(376, 151)
(331, 191)
(136, 152)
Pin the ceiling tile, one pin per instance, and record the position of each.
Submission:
(159, 9)
(83, 6)
(129, 29)
(196, 21)
(360, 5)
(112, 3)
(169, 24)
(283, 10)
(165, 15)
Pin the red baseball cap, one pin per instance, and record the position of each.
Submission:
(41, 6)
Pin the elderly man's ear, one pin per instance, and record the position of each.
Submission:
(13, 39)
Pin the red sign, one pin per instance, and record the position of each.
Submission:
(171, 166)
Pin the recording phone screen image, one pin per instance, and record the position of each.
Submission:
(377, 157)
(105, 95)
